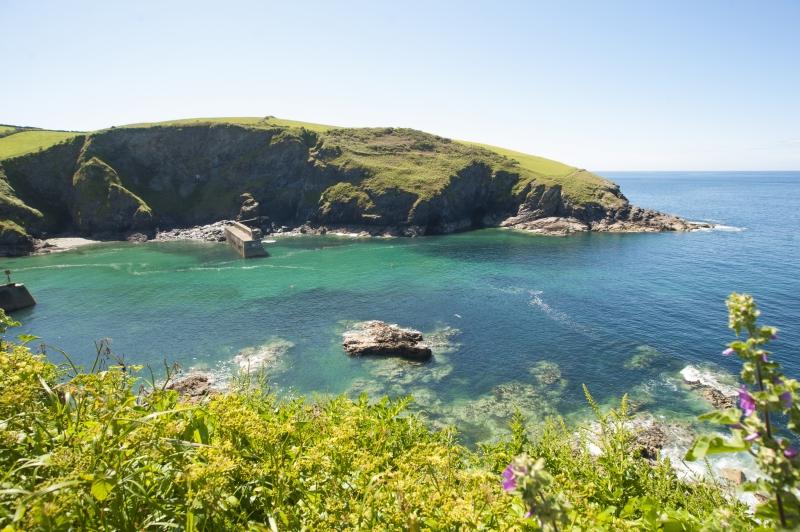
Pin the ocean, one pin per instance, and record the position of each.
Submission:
(516, 320)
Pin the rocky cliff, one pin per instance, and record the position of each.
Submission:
(112, 182)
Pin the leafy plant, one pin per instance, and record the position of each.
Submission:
(766, 398)
(84, 450)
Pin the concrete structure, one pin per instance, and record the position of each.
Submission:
(14, 296)
(245, 240)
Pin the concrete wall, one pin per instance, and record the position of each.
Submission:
(245, 240)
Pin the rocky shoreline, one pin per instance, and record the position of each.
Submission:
(550, 226)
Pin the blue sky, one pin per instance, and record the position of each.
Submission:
(601, 85)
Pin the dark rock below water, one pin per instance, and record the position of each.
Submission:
(382, 339)
(193, 387)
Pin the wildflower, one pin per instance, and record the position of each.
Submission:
(509, 483)
(785, 397)
(746, 402)
(791, 452)
(752, 436)
(728, 352)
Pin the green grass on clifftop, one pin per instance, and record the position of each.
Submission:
(250, 121)
(28, 141)
(392, 158)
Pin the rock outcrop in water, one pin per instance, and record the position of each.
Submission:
(382, 339)
(708, 385)
(110, 183)
(194, 386)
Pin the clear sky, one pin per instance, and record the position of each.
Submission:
(601, 85)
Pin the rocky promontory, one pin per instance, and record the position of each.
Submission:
(159, 179)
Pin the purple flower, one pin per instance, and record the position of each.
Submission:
(746, 402)
(728, 352)
(528, 514)
(509, 484)
(786, 399)
(791, 452)
(774, 336)
(752, 436)
(764, 358)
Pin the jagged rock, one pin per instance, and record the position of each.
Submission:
(650, 440)
(553, 225)
(102, 204)
(209, 233)
(193, 387)
(383, 339)
(137, 237)
(250, 208)
(716, 398)
(709, 387)
(736, 476)
(14, 241)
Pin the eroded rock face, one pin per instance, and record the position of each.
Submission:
(109, 183)
(372, 338)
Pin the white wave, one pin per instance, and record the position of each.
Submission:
(707, 377)
(719, 227)
(538, 302)
(729, 228)
(112, 266)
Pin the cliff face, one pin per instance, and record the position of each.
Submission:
(115, 181)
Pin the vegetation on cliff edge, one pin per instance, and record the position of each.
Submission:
(103, 449)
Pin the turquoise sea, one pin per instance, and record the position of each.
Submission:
(517, 320)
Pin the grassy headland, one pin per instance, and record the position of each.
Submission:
(195, 171)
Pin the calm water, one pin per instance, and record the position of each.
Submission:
(507, 311)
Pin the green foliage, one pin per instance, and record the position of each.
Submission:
(250, 121)
(84, 450)
(28, 141)
(11, 228)
(768, 395)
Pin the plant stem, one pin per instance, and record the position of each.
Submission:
(778, 500)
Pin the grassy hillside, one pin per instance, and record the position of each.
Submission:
(250, 121)
(28, 141)
(194, 171)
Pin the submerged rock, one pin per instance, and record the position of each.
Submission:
(267, 355)
(382, 339)
(645, 357)
(546, 372)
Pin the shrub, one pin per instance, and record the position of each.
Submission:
(83, 450)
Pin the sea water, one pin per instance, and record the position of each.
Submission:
(515, 320)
